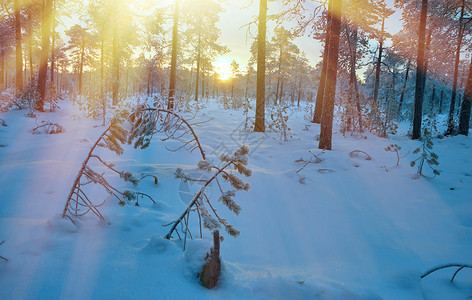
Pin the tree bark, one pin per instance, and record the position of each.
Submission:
(353, 76)
(331, 74)
(198, 68)
(466, 105)
(116, 66)
(2, 68)
(19, 60)
(279, 75)
(450, 119)
(43, 65)
(261, 47)
(320, 93)
(402, 95)
(379, 62)
(81, 67)
(173, 61)
(420, 73)
(53, 40)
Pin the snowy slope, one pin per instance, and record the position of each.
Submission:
(350, 229)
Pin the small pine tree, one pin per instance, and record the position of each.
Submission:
(396, 149)
(201, 202)
(426, 149)
(279, 118)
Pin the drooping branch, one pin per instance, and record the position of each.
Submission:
(1, 243)
(459, 266)
(78, 203)
(148, 121)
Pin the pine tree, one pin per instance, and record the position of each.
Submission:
(45, 42)
(335, 10)
(82, 46)
(261, 52)
(19, 56)
(420, 73)
(173, 62)
(466, 105)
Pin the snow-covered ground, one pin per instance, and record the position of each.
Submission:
(345, 228)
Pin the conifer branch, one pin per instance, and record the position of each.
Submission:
(238, 161)
(78, 203)
(147, 121)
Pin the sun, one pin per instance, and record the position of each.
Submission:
(223, 68)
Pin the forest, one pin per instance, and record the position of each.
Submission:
(252, 149)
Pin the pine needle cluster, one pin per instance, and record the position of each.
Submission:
(226, 173)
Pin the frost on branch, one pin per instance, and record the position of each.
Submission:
(223, 176)
(79, 202)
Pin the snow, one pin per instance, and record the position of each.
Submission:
(345, 228)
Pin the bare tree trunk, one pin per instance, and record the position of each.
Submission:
(261, 49)
(299, 89)
(279, 75)
(198, 68)
(19, 60)
(173, 61)
(353, 78)
(81, 68)
(2, 68)
(402, 95)
(332, 68)
(43, 65)
(450, 119)
(420, 73)
(53, 39)
(466, 105)
(116, 66)
(320, 93)
(379, 62)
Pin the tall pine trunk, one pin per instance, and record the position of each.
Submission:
(466, 105)
(2, 68)
(116, 66)
(450, 119)
(379, 62)
(320, 94)
(402, 95)
(53, 40)
(81, 67)
(420, 73)
(102, 79)
(353, 77)
(261, 49)
(43, 64)
(19, 60)
(173, 61)
(198, 68)
(279, 76)
(326, 131)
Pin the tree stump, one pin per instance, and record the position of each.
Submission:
(212, 267)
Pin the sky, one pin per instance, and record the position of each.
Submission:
(234, 31)
(240, 12)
